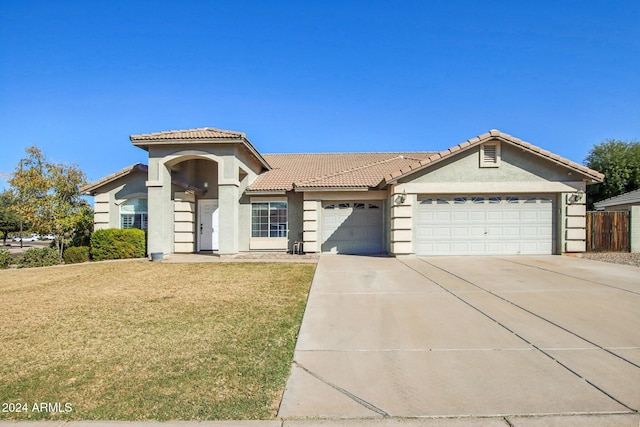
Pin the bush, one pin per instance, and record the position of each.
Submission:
(76, 254)
(5, 258)
(39, 257)
(113, 243)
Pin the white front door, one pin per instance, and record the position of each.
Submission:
(208, 225)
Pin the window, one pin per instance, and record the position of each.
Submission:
(133, 214)
(269, 219)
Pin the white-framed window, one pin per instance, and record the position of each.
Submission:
(133, 214)
(269, 219)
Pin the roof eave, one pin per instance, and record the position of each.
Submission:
(277, 192)
(592, 175)
(145, 143)
(90, 189)
(316, 189)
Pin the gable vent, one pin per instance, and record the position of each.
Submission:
(490, 155)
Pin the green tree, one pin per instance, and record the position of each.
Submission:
(83, 227)
(9, 217)
(48, 195)
(620, 163)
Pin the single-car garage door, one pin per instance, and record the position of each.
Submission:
(484, 225)
(352, 227)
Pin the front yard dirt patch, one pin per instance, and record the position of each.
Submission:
(624, 258)
(143, 341)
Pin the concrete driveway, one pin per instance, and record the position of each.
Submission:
(508, 339)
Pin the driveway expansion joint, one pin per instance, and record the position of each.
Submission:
(350, 395)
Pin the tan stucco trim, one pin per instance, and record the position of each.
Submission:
(268, 199)
(488, 187)
(341, 195)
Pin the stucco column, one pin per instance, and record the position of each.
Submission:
(401, 221)
(573, 211)
(160, 211)
(228, 202)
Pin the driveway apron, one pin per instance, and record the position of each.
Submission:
(467, 336)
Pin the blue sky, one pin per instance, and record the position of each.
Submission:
(78, 77)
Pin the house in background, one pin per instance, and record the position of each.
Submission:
(627, 202)
(211, 190)
(623, 202)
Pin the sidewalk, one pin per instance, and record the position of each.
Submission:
(581, 420)
(241, 257)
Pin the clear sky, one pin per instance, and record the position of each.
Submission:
(78, 77)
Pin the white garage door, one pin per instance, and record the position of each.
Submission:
(352, 227)
(484, 225)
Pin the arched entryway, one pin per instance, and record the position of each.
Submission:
(184, 208)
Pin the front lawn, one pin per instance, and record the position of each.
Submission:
(141, 341)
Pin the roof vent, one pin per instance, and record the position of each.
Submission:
(490, 155)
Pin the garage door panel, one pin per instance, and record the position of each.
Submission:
(495, 216)
(352, 227)
(477, 225)
(496, 231)
(460, 216)
(511, 231)
(443, 216)
(476, 231)
(477, 216)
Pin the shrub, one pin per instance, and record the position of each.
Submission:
(5, 258)
(39, 257)
(113, 243)
(76, 254)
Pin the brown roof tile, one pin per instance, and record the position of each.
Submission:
(331, 170)
(199, 133)
(496, 134)
(89, 188)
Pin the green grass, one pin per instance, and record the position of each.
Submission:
(149, 341)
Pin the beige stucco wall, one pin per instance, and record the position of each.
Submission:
(635, 228)
(112, 195)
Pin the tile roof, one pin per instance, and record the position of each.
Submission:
(492, 134)
(90, 188)
(330, 170)
(199, 133)
(197, 136)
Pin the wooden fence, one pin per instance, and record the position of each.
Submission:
(608, 231)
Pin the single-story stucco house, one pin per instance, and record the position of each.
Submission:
(623, 202)
(627, 202)
(211, 190)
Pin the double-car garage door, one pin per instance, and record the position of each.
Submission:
(484, 225)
